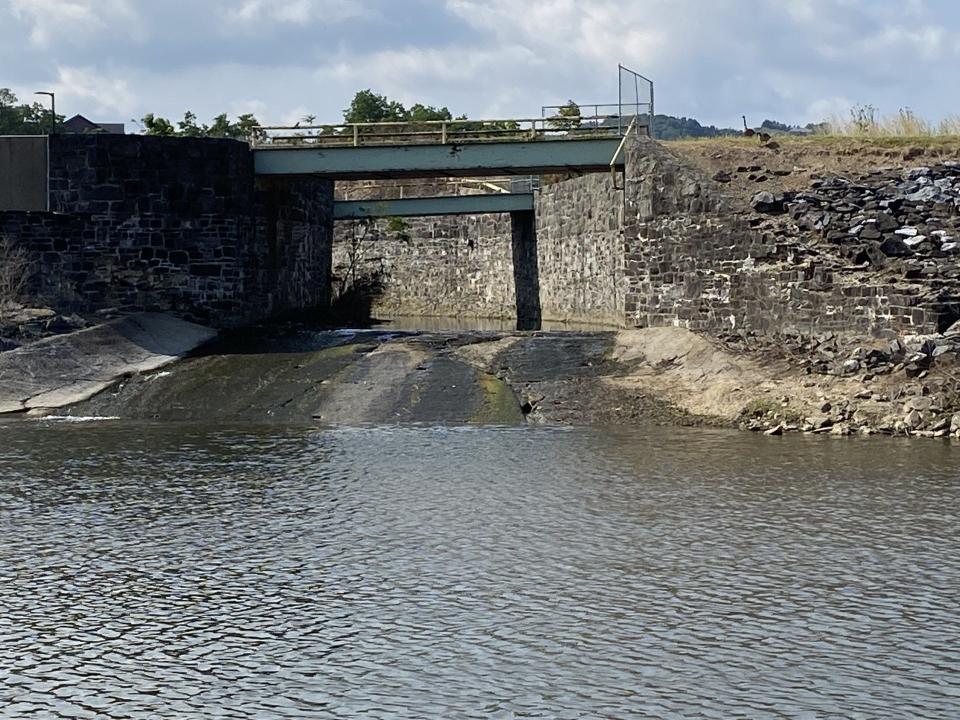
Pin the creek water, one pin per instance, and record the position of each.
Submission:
(175, 570)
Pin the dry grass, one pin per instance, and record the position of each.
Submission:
(946, 142)
(866, 121)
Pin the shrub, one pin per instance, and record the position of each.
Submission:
(14, 275)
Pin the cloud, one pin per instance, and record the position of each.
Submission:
(790, 60)
(70, 20)
(76, 87)
(297, 12)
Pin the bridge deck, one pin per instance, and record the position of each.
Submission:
(422, 207)
(442, 160)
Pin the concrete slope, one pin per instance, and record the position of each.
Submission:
(68, 369)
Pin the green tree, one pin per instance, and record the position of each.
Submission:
(369, 107)
(189, 128)
(23, 119)
(419, 113)
(567, 117)
(245, 127)
(154, 125)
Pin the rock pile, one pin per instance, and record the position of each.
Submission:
(909, 386)
(909, 215)
(20, 325)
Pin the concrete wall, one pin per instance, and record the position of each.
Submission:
(23, 173)
(182, 225)
(146, 223)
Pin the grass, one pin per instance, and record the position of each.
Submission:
(951, 142)
(866, 123)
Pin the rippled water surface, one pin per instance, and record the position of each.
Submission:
(175, 571)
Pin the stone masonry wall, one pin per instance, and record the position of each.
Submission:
(580, 250)
(693, 260)
(458, 266)
(471, 265)
(670, 249)
(178, 224)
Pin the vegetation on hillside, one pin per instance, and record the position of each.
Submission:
(370, 107)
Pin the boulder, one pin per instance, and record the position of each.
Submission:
(894, 247)
(766, 202)
(913, 420)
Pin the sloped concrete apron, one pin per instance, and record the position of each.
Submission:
(68, 369)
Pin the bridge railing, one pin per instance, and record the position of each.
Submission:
(613, 116)
(444, 132)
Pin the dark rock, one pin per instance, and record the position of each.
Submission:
(766, 202)
(893, 246)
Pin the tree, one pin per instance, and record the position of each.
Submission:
(421, 113)
(245, 127)
(775, 126)
(14, 275)
(567, 117)
(153, 125)
(369, 107)
(23, 119)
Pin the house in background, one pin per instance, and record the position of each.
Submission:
(79, 125)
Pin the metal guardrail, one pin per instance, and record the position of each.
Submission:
(442, 132)
(615, 116)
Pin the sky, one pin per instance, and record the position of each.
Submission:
(796, 61)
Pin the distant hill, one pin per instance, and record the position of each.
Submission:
(668, 127)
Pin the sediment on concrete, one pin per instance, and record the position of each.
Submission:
(68, 369)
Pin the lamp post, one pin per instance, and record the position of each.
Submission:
(53, 110)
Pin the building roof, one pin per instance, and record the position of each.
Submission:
(80, 125)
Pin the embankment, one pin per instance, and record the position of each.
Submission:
(68, 369)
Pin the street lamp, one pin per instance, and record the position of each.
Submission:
(53, 110)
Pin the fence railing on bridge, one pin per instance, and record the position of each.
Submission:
(446, 132)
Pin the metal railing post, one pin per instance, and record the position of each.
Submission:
(356, 135)
(619, 99)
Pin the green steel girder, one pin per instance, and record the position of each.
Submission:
(443, 205)
(450, 160)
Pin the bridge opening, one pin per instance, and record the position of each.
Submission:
(439, 218)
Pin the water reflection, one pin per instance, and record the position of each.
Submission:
(171, 571)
